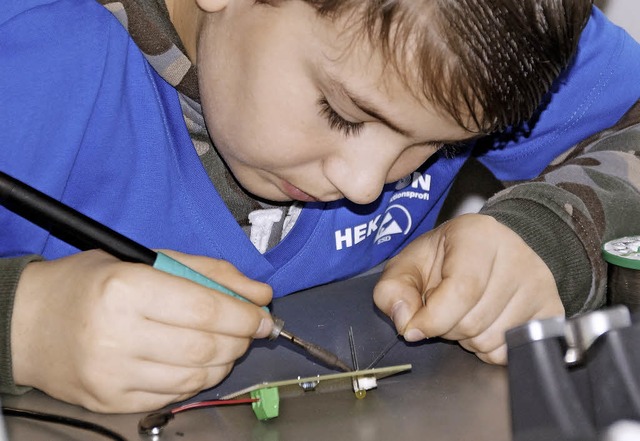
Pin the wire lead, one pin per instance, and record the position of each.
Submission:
(352, 346)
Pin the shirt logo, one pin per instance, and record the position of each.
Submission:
(396, 219)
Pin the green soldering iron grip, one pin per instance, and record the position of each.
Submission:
(172, 266)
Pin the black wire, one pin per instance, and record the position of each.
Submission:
(59, 419)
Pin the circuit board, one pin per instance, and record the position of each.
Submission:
(321, 383)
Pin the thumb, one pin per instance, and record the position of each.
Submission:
(398, 293)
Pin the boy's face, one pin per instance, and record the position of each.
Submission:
(299, 110)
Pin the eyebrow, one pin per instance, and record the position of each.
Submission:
(367, 107)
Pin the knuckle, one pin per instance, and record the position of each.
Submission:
(196, 380)
(387, 289)
(385, 285)
(200, 351)
(486, 342)
(437, 325)
(467, 288)
(217, 374)
(203, 312)
(114, 281)
(101, 392)
(470, 327)
(220, 268)
(498, 357)
(228, 350)
(238, 349)
(264, 292)
(226, 265)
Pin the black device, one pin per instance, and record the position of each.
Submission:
(572, 379)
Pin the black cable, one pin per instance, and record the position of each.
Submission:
(59, 419)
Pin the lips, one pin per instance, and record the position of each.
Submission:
(295, 193)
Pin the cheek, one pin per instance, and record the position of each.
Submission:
(266, 135)
(269, 121)
(272, 135)
(409, 161)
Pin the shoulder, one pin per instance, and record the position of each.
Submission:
(68, 40)
(59, 25)
(31, 10)
(63, 54)
(606, 57)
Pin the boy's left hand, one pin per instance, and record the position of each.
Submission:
(471, 279)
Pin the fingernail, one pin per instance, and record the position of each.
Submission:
(400, 314)
(413, 335)
(264, 328)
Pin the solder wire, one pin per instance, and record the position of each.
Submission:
(384, 352)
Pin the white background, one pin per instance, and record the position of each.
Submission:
(625, 13)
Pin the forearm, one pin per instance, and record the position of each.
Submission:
(590, 196)
(10, 271)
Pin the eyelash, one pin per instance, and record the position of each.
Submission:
(336, 122)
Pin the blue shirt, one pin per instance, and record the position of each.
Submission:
(85, 119)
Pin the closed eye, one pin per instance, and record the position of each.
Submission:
(337, 122)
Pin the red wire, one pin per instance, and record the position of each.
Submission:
(201, 404)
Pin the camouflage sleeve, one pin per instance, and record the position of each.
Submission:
(587, 196)
(10, 271)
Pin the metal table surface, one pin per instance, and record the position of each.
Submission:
(448, 395)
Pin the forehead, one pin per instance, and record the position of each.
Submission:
(394, 31)
(347, 52)
(349, 62)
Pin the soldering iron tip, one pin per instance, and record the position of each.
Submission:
(321, 354)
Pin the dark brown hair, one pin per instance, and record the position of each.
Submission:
(487, 63)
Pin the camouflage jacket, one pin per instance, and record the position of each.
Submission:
(587, 196)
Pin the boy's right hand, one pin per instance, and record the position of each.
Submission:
(121, 337)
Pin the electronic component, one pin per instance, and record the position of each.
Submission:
(267, 405)
(298, 386)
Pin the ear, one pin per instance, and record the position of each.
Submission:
(212, 5)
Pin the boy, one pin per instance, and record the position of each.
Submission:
(332, 104)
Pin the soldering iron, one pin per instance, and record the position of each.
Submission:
(86, 233)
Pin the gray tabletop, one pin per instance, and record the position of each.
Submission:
(448, 395)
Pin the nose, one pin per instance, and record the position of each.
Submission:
(360, 177)
(359, 180)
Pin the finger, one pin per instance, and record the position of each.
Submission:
(398, 294)
(494, 336)
(522, 308)
(174, 380)
(130, 402)
(165, 344)
(484, 313)
(446, 305)
(461, 287)
(159, 386)
(181, 302)
(497, 356)
(227, 275)
(407, 277)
